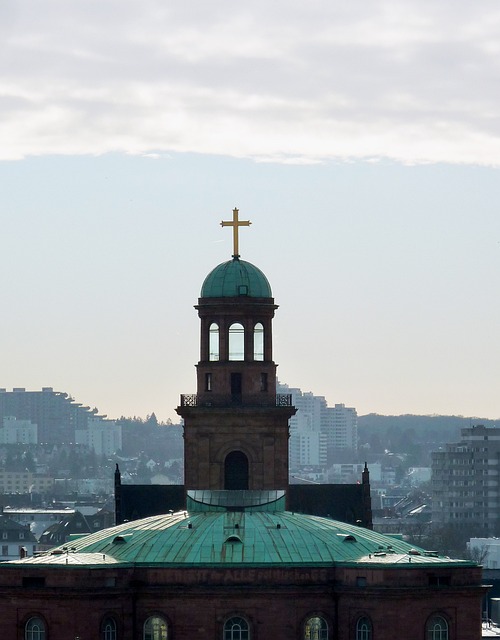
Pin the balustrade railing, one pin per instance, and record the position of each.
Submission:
(222, 400)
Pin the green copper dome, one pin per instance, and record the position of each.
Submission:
(236, 278)
(242, 539)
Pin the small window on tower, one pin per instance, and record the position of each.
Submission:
(208, 382)
(213, 345)
(263, 381)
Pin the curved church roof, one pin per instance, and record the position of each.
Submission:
(238, 538)
(236, 278)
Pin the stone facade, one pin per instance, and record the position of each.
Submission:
(74, 601)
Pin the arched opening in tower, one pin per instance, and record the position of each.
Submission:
(236, 471)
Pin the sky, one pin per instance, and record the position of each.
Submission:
(361, 139)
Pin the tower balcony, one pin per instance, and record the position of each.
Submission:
(229, 400)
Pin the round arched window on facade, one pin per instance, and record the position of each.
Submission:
(437, 628)
(108, 629)
(316, 628)
(364, 629)
(35, 629)
(236, 628)
(155, 628)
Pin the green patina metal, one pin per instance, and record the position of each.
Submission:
(247, 500)
(236, 278)
(242, 539)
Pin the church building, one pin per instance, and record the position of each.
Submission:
(237, 553)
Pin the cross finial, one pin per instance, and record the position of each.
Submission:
(235, 223)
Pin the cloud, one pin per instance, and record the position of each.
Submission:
(415, 81)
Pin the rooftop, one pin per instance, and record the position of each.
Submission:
(238, 538)
(236, 278)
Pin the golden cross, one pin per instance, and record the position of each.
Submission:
(235, 223)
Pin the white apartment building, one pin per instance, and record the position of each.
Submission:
(340, 424)
(104, 436)
(15, 431)
(486, 551)
(317, 430)
(307, 444)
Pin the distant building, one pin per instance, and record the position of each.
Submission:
(93, 486)
(350, 472)
(73, 525)
(340, 423)
(17, 541)
(103, 436)
(25, 482)
(55, 413)
(419, 475)
(307, 443)
(318, 431)
(37, 520)
(466, 481)
(486, 551)
(16, 431)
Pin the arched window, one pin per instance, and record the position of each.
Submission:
(258, 342)
(108, 629)
(437, 628)
(316, 628)
(236, 629)
(34, 629)
(364, 629)
(236, 341)
(155, 628)
(213, 342)
(236, 471)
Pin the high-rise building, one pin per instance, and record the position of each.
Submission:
(317, 431)
(16, 431)
(466, 482)
(340, 425)
(308, 440)
(55, 414)
(103, 436)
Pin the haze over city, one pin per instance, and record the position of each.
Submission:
(362, 141)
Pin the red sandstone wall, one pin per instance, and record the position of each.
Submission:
(196, 603)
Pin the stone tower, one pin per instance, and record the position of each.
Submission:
(236, 426)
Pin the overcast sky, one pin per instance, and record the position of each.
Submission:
(362, 140)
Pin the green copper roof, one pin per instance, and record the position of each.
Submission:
(244, 500)
(236, 278)
(236, 538)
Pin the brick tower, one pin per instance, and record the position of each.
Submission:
(236, 426)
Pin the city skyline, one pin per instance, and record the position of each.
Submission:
(361, 142)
